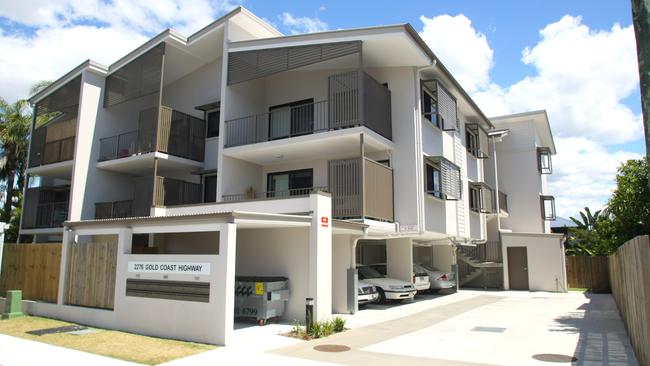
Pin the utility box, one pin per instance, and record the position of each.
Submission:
(260, 298)
(13, 305)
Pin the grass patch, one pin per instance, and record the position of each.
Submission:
(121, 345)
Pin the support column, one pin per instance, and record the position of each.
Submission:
(399, 259)
(320, 255)
(222, 286)
(68, 239)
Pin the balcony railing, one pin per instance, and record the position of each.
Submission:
(45, 207)
(254, 195)
(489, 251)
(112, 210)
(503, 202)
(340, 111)
(353, 196)
(171, 192)
(160, 129)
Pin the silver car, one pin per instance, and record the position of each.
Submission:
(438, 279)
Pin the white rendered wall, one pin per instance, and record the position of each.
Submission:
(399, 259)
(341, 261)
(443, 257)
(519, 178)
(546, 260)
(278, 252)
(200, 87)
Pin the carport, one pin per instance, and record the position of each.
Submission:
(173, 276)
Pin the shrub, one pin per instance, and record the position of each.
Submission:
(339, 324)
(316, 330)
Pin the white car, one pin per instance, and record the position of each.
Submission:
(388, 288)
(366, 293)
(420, 277)
(439, 279)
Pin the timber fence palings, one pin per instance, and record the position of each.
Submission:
(629, 270)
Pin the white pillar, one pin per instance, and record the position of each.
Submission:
(222, 286)
(320, 255)
(68, 238)
(90, 103)
(399, 259)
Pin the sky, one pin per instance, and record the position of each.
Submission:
(576, 59)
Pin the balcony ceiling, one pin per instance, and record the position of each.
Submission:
(325, 145)
(181, 60)
(141, 165)
(60, 170)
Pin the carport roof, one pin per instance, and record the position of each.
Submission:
(241, 217)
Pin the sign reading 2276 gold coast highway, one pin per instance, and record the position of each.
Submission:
(191, 268)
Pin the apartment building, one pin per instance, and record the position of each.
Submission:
(242, 151)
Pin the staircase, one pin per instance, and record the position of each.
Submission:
(481, 264)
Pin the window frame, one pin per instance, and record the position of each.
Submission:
(211, 176)
(207, 123)
(439, 122)
(475, 203)
(545, 216)
(472, 142)
(542, 152)
(292, 123)
(273, 193)
(434, 168)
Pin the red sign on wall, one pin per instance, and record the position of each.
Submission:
(324, 221)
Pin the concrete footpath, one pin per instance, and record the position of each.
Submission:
(463, 329)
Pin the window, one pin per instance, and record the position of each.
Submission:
(548, 207)
(430, 108)
(472, 143)
(291, 119)
(293, 183)
(433, 181)
(210, 188)
(544, 160)
(475, 199)
(213, 123)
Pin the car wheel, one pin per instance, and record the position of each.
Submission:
(434, 290)
(382, 296)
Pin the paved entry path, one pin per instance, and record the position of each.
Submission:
(500, 328)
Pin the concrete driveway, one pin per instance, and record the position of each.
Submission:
(481, 328)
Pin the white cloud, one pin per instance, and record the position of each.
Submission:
(581, 77)
(583, 174)
(70, 31)
(297, 25)
(462, 49)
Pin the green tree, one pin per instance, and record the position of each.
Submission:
(14, 130)
(589, 220)
(594, 234)
(630, 202)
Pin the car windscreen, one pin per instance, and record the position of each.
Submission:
(367, 272)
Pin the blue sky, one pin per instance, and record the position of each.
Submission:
(576, 59)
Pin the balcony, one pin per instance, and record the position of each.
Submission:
(53, 143)
(355, 195)
(45, 207)
(348, 106)
(168, 192)
(159, 129)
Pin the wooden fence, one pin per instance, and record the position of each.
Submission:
(588, 272)
(32, 268)
(91, 275)
(629, 270)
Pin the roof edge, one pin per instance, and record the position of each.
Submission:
(58, 83)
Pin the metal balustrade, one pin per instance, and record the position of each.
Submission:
(251, 194)
(341, 110)
(159, 129)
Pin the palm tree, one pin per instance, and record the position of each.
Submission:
(14, 130)
(589, 220)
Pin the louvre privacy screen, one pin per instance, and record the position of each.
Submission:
(447, 108)
(138, 78)
(450, 181)
(55, 125)
(250, 65)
